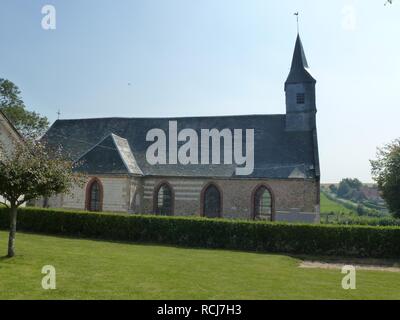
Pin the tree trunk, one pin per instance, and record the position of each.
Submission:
(13, 230)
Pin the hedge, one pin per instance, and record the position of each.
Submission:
(338, 240)
(342, 219)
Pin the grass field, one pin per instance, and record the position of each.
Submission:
(104, 270)
(328, 206)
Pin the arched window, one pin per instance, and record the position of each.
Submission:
(94, 195)
(211, 202)
(163, 201)
(263, 204)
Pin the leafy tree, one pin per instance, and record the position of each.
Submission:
(333, 188)
(343, 189)
(29, 123)
(31, 171)
(386, 172)
(353, 183)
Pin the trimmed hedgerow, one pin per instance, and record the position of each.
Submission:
(356, 241)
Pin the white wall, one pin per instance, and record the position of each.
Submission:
(117, 195)
(8, 138)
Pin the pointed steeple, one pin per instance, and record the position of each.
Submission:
(299, 71)
(300, 93)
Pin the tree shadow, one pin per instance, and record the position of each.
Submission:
(4, 258)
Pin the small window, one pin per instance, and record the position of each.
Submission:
(263, 208)
(300, 98)
(212, 202)
(95, 196)
(163, 201)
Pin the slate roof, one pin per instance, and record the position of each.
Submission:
(299, 70)
(118, 145)
(111, 155)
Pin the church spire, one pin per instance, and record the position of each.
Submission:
(300, 93)
(299, 71)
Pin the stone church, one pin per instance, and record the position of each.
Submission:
(282, 185)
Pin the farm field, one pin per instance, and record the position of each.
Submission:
(328, 206)
(89, 269)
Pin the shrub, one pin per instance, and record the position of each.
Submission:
(360, 241)
(356, 220)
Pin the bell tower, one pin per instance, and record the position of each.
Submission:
(300, 93)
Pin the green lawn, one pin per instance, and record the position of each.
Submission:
(328, 206)
(93, 269)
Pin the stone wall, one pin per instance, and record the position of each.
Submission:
(292, 196)
(295, 199)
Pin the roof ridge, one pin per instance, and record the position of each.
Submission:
(173, 117)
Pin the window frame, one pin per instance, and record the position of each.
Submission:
(300, 98)
(88, 201)
(155, 197)
(202, 199)
(253, 200)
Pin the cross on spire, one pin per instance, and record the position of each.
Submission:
(297, 20)
(58, 114)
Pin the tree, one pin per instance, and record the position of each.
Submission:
(386, 172)
(343, 189)
(333, 188)
(28, 123)
(353, 183)
(31, 171)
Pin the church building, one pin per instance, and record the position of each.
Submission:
(281, 184)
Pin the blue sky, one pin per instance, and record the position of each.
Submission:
(213, 57)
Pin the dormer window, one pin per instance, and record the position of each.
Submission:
(300, 98)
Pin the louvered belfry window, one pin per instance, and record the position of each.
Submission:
(301, 98)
